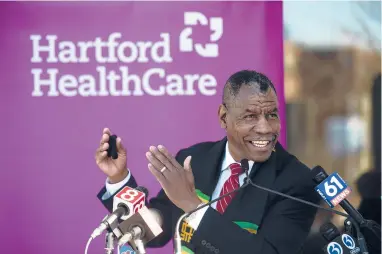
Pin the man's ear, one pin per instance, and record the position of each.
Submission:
(222, 113)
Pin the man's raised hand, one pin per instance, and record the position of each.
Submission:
(116, 170)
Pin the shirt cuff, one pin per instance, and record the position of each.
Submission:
(195, 218)
(112, 188)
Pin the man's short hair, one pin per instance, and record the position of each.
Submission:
(246, 77)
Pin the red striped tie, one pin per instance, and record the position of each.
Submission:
(231, 184)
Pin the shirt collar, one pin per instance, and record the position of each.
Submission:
(228, 160)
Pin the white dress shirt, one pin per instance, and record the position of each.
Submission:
(195, 219)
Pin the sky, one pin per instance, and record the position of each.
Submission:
(323, 23)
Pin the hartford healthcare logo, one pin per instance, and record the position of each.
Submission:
(216, 27)
(105, 80)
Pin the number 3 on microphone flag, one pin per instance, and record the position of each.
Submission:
(334, 248)
(333, 189)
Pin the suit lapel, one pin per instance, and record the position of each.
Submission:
(208, 171)
(248, 206)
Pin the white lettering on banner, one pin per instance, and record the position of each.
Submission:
(84, 51)
(51, 82)
(126, 78)
(50, 48)
(121, 80)
(122, 83)
(67, 52)
(125, 52)
(88, 85)
(146, 82)
(67, 82)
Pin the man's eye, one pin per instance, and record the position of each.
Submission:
(274, 115)
(249, 116)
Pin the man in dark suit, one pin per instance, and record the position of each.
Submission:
(251, 221)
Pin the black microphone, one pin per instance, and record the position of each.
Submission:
(249, 181)
(338, 243)
(365, 228)
(329, 231)
(319, 175)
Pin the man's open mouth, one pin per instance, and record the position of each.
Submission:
(260, 143)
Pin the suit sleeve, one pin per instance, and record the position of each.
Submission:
(283, 230)
(161, 202)
(108, 203)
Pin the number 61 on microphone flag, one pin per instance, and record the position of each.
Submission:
(333, 189)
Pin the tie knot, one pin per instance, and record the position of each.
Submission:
(236, 169)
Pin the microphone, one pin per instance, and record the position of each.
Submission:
(130, 200)
(245, 165)
(249, 181)
(109, 243)
(329, 231)
(334, 191)
(125, 203)
(338, 243)
(140, 228)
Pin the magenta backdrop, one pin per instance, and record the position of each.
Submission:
(49, 178)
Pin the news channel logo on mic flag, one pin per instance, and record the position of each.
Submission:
(350, 244)
(333, 189)
(334, 248)
(348, 241)
(125, 249)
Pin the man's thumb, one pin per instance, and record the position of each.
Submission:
(187, 164)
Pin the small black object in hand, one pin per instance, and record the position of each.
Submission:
(112, 150)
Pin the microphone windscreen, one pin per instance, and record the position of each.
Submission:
(157, 216)
(317, 169)
(143, 189)
(318, 174)
(244, 164)
(329, 231)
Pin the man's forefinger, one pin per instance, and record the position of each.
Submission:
(106, 131)
(104, 139)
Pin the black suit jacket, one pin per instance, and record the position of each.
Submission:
(255, 221)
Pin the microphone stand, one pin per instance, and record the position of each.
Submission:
(360, 237)
(295, 199)
(135, 241)
(372, 229)
(140, 246)
(109, 242)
